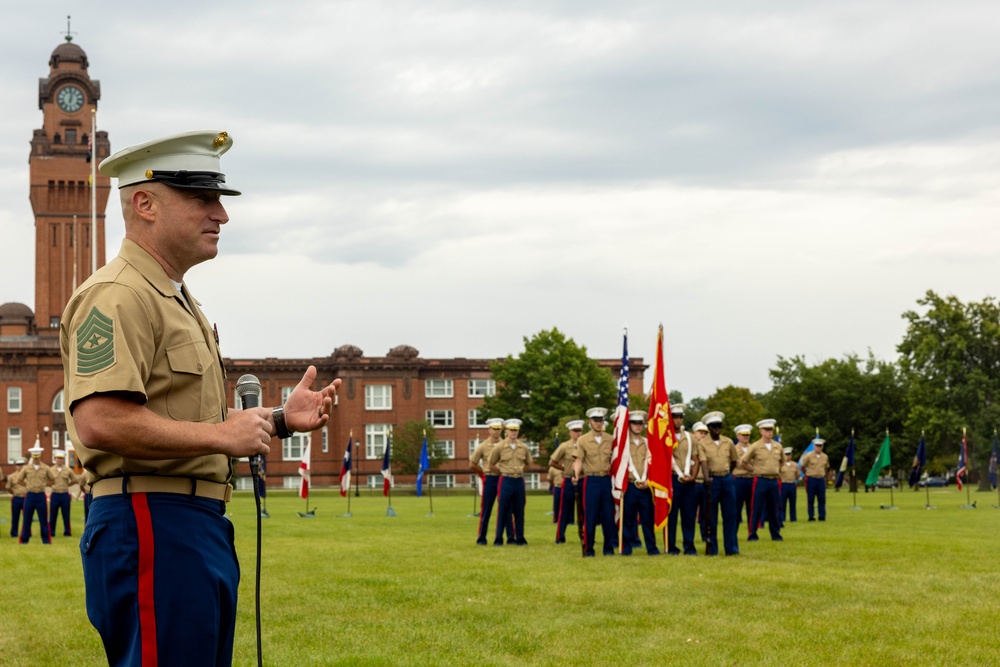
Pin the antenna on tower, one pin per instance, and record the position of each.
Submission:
(69, 33)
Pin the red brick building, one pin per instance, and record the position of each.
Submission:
(378, 393)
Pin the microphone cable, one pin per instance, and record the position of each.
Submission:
(255, 473)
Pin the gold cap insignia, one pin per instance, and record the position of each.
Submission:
(220, 140)
(149, 173)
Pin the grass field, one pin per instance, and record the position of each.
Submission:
(868, 587)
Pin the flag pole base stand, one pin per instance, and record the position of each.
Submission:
(855, 508)
(311, 514)
(930, 507)
(390, 512)
(348, 515)
(476, 514)
(969, 507)
(264, 514)
(888, 507)
(430, 514)
(550, 514)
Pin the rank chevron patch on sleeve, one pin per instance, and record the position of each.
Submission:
(95, 343)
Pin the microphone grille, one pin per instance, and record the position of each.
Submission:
(248, 384)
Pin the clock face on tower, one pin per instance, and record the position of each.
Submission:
(70, 98)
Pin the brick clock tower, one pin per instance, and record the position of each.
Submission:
(63, 153)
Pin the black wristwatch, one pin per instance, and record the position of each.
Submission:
(280, 430)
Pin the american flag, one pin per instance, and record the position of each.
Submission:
(304, 473)
(620, 453)
(345, 469)
(386, 468)
(963, 456)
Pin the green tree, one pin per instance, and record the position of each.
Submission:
(950, 359)
(738, 404)
(838, 396)
(552, 378)
(407, 443)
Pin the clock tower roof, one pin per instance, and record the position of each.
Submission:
(67, 53)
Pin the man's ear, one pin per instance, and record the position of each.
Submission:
(144, 204)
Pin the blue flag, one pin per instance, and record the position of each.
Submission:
(848, 462)
(919, 461)
(424, 465)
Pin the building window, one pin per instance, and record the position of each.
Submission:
(285, 393)
(441, 481)
(472, 446)
(57, 402)
(55, 440)
(54, 322)
(13, 399)
(375, 436)
(291, 481)
(439, 389)
(70, 136)
(294, 447)
(375, 481)
(482, 388)
(532, 447)
(13, 443)
(326, 439)
(532, 480)
(440, 418)
(475, 421)
(244, 483)
(378, 397)
(445, 448)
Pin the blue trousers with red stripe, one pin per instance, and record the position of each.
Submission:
(162, 576)
(567, 508)
(786, 508)
(744, 497)
(599, 505)
(765, 499)
(16, 509)
(34, 503)
(59, 502)
(816, 490)
(510, 509)
(486, 509)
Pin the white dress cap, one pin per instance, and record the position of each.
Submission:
(189, 161)
(714, 417)
(575, 425)
(637, 417)
(494, 421)
(698, 426)
(677, 409)
(512, 423)
(766, 423)
(743, 428)
(597, 412)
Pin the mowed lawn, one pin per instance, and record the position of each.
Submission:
(867, 587)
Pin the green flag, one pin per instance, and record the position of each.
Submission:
(882, 461)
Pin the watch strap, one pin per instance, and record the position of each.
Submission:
(280, 429)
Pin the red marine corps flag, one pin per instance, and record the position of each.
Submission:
(661, 441)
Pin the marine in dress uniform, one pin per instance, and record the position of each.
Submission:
(685, 470)
(59, 500)
(555, 476)
(35, 476)
(511, 457)
(147, 413)
(742, 478)
(17, 492)
(763, 459)
(816, 468)
(638, 500)
(593, 468)
(700, 433)
(562, 459)
(717, 454)
(788, 477)
(479, 463)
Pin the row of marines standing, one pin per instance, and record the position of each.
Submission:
(28, 499)
(710, 473)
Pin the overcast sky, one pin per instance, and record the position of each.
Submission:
(769, 178)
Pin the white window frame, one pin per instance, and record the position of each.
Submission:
(532, 447)
(244, 484)
(490, 388)
(326, 439)
(58, 404)
(14, 444)
(446, 448)
(440, 418)
(439, 388)
(285, 393)
(293, 448)
(532, 480)
(375, 439)
(472, 446)
(375, 481)
(441, 481)
(13, 399)
(474, 419)
(55, 440)
(378, 397)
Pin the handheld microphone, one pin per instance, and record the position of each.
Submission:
(248, 389)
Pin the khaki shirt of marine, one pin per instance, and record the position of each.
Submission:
(556, 477)
(481, 455)
(564, 456)
(789, 473)
(65, 478)
(815, 464)
(511, 460)
(15, 486)
(165, 355)
(685, 441)
(638, 449)
(740, 451)
(34, 480)
(764, 462)
(595, 456)
(718, 457)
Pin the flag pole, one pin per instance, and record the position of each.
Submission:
(892, 480)
(969, 505)
(93, 191)
(927, 487)
(350, 440)
(854, 479)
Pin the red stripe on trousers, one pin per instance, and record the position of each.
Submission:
(497, 504)
(585, 545)
(751, 529)
(562, 497)
(147, 609)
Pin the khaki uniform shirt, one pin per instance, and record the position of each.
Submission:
(15, 486)
(595, 456)
(815, 464)
(685, 444)
(765, 463)
(789, 472)
(127, 329)
(481, 455)
(35, 479)
(740, 451)
(65, 478)
(638, 449)
(511, 460)
(564, 456)
(555, 477)
(718, 457)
